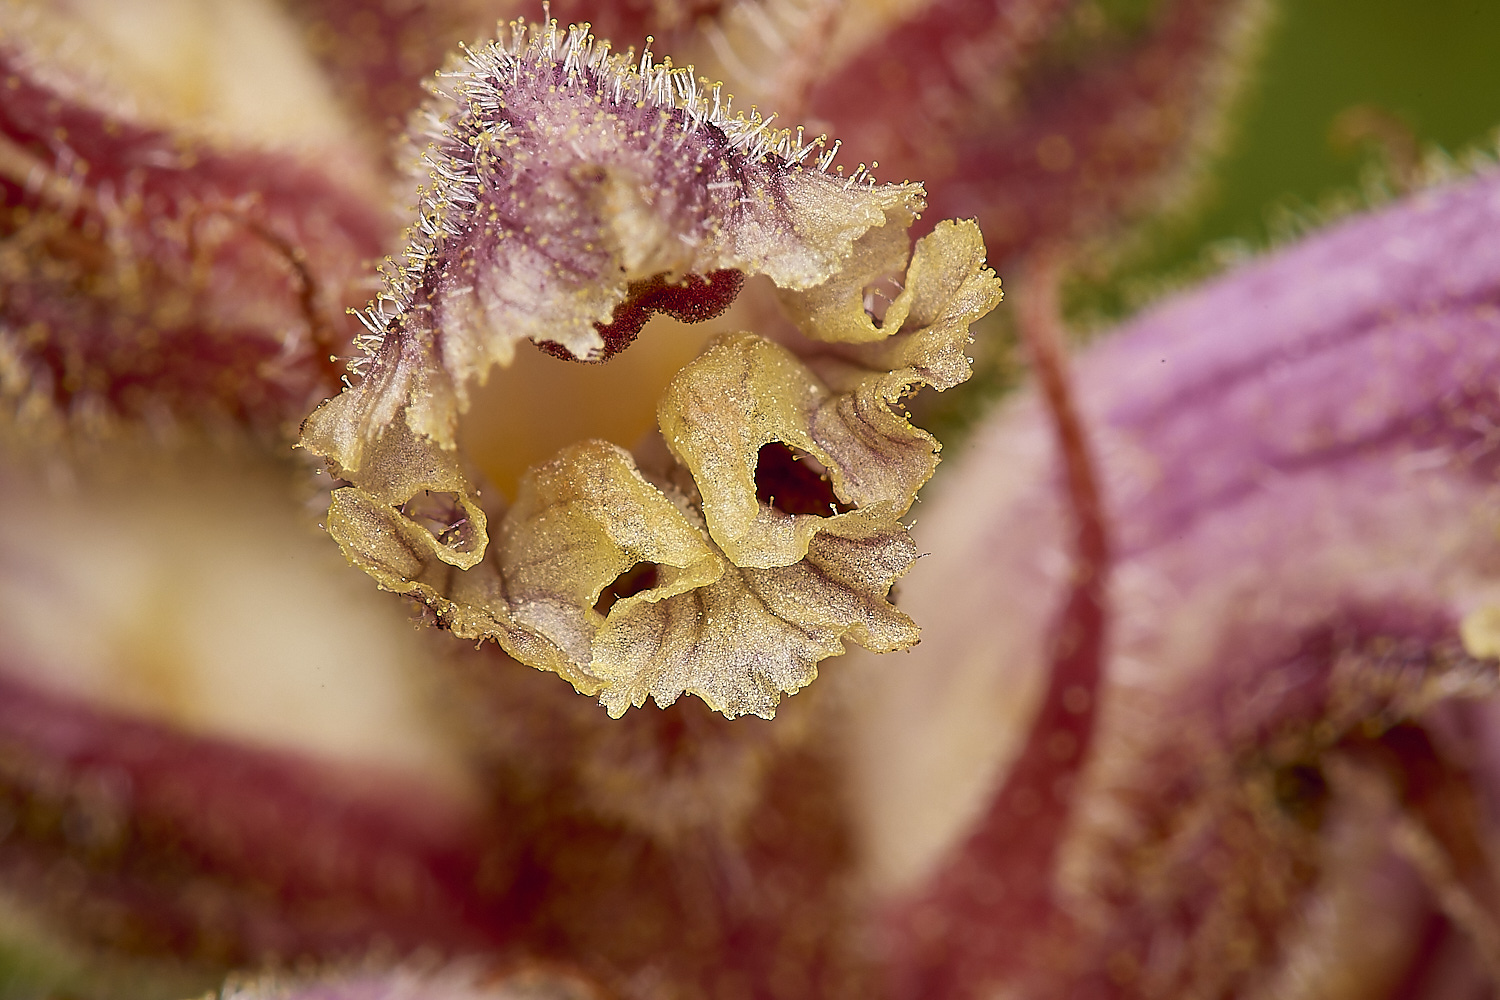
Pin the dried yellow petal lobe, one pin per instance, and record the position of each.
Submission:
(947, 288)
(565, 180)
(579, 522)
(756, 634)
(742, 393)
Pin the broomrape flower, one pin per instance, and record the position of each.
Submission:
(573, 193)
(1208, 624)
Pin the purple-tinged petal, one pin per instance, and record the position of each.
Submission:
(1298, 468)
(1249, 817)
(378, 53)
(916, 91)
(765, 52)
(142, 839)
(1039, 152)
(145, 274)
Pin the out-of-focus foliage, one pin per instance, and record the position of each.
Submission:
(1290, 158)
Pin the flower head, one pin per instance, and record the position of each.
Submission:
(572, 191)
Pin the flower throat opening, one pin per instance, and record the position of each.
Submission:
(547, 399)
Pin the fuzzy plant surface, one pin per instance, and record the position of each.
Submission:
(324, 320)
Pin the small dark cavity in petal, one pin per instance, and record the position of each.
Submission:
(637, 579)
(794, 482)
(1302, 793)
(694, 299)
(441, 513)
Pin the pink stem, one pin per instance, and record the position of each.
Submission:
(987, 910)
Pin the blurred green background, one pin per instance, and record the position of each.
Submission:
(1431, 67)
